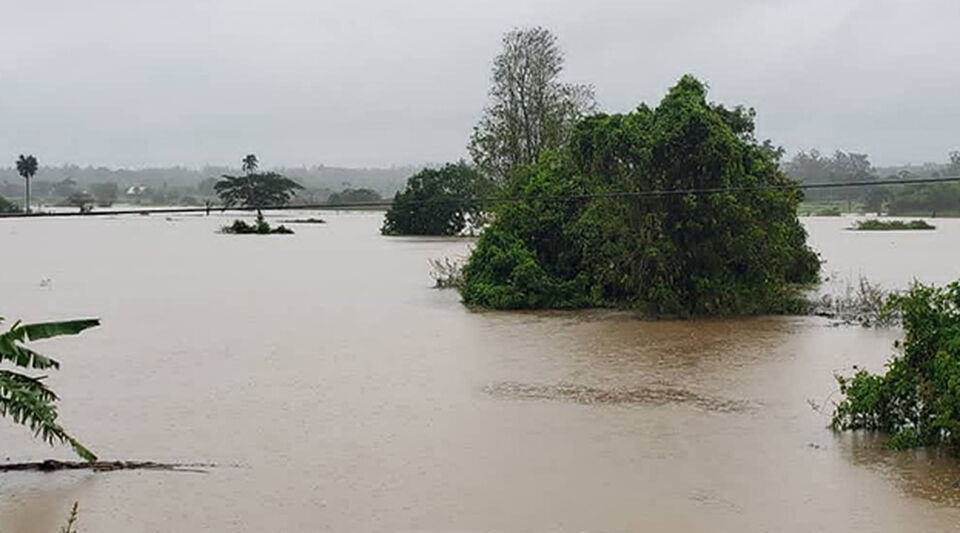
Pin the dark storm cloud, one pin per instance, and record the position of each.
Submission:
(374, 83)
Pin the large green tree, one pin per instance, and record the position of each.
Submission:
(438, 202)
(27, 167)
(25, 398)
(255, 190)
(571, 238)
(530, 109)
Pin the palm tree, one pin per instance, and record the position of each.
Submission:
(27, 167)
(250, 164)
(27, 399)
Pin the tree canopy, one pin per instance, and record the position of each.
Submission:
(255, 190)
(354, 196)
(677, 254)
(531, 109)
(437, 202)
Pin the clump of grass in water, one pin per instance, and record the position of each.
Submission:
(892, 225)
(260, 227)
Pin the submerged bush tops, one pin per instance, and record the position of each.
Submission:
(917, 400)
(562, 243)
(892, 225)
(259, 227)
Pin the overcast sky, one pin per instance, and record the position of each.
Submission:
(390, 82)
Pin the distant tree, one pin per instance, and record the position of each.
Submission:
(27, 167)
(354, 196)
(813, 167)
(206, 186)
(531, 109)
(26, 399)
(6, 206)
(437, 202)
(875, 198)
(105, 193)
(955, 163)
(250, 164)
(256, 190)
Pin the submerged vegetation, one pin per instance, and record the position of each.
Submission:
(566, 243)
(438, 202)
(26, 399)
(259, 227)
(917, 400)
(6, 206)
(892, 225)
(311, 220)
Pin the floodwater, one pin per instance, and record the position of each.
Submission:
(336, 391)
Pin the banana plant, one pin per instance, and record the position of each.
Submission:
(25, 398)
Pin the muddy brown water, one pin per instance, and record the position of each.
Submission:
(338, 392)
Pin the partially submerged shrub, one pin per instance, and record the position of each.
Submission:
(917, 400)
(259, 227)
(447, 273)
(892, 225)
(864, 304)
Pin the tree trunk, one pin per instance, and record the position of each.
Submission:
(26, 201)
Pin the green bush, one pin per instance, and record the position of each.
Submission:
(892, 225)
(564, 241)
(259, 227)
(917, 400)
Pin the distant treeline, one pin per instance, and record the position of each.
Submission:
(385, 181)
(72, 185)
(930, 199)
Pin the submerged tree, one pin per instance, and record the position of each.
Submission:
(590, 226)
(531, 109)
(27, 168)
(437, 202)
(255, 190)
(26, 398)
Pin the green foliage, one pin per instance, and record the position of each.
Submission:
(255, 190)
(892, 225)
(6, 206)
(813, 167)
(260, 227)
(105, 193)
(875, 199)
(354, 196)
(27, 166)
(687, 254)
(26, 399)
(437, 202)
(917, 400)
(828, 212)
(925, 199)
(267, 189)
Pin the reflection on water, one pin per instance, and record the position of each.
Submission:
(354, 397)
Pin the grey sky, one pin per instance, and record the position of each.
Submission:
(381, 82)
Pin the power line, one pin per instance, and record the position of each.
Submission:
(386, 204)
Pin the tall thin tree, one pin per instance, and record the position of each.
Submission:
(530, 109)
(27, 167)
